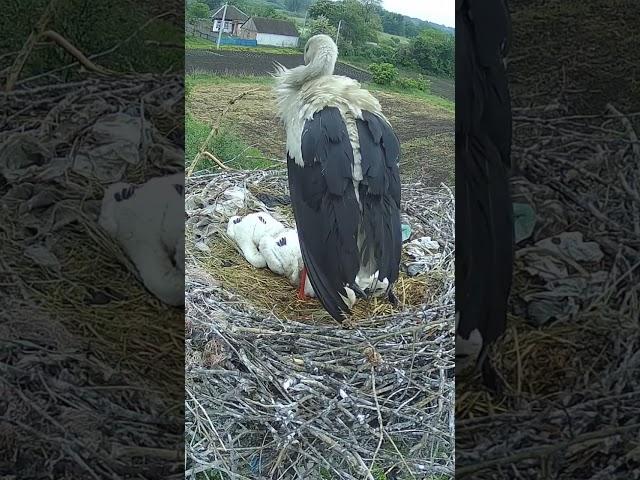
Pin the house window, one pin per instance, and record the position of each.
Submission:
(228, 26)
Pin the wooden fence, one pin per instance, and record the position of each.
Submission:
(212, 37)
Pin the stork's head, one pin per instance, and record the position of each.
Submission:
(320, 56)
(321, 52)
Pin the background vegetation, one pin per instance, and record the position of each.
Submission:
(120, 35)
(368, 33)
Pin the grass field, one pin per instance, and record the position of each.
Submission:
(253, 137)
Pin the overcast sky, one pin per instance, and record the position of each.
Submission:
(436, 11)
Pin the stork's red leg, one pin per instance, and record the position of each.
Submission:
(303, 280)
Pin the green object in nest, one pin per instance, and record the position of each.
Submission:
(524, 218)
(406, 232)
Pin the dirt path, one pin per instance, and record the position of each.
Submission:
(426, 132)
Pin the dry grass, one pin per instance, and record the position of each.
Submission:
(268, 292)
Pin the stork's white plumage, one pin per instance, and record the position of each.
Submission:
(283, 256)
(342, 159)
(249, 230)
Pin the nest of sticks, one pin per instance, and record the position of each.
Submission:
(570, 403)
(275, 389)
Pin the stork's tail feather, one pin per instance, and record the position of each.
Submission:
(279, 69)
(357, 290)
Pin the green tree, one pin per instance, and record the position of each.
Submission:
(198, 11)
(371, 8)
(325, 8)
(317, 26)
(355, 28)
(434, 51)
(213, 4)
(297, 5)
(393, 23)
(258, 10)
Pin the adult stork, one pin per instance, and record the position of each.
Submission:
(342, 162)
(484, 221)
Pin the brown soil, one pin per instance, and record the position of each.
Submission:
(426, 132)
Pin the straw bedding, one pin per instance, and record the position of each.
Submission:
(275, 389)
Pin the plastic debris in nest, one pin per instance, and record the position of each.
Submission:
(563, 293)
(115, 142)
(524, 217)
(207, 212)
(425, 254)
(111, 144)
(143, 220)
(23, 157)
(406, 232)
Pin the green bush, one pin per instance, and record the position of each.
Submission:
(418, 83)
(383, 73)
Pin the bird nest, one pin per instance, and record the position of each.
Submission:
(581, 419)
(82, 333)
(277, 389)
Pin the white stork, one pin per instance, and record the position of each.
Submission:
(342, 159)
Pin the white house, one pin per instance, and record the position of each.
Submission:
(233, 19)
(270, 31)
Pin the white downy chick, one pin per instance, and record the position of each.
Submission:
(249, 230)
(284, 257)
(147, 221)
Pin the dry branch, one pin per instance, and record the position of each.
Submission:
(214, 131)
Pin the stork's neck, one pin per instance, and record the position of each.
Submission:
(322, 64)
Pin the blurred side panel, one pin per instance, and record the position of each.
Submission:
(91, 235)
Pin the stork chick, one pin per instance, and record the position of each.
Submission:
(247, 232)
(283, 256)
(147, 221)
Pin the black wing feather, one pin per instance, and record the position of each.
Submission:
(380, 195)
(484, 223)
(326, 209)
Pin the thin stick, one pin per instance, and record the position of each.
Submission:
(75, 52)
(27, 48)
(375, 398)
(215, 159)
(214, 131)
